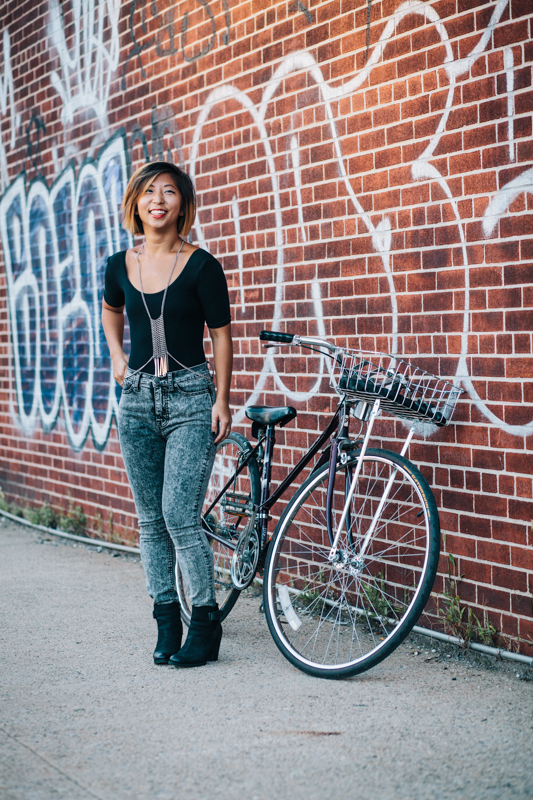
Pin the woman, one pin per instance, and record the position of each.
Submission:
(169, 420)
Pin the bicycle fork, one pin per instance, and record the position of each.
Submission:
(346, 510)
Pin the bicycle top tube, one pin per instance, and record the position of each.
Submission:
(277, 338)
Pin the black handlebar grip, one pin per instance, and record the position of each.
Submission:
(276, 336)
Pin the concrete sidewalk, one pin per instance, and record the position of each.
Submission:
(85, 713)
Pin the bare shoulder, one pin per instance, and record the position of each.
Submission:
(189, 248)
(131, 254)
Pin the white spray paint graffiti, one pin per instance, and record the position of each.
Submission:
(7, 105)
(422, 169)
(238, 245)
(508, 61)
(56, 242)
(84, 80)
(295, 157)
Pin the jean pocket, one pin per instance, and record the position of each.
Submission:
(195, 386)
(127, 386)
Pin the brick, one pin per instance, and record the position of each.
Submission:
(521, 510)
(522, 605)
(495, 553)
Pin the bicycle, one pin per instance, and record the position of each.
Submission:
(353, 557)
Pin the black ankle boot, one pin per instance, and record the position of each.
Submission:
(169, 631)
(203, 640)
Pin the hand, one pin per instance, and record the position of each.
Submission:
(120, 366)
(221, 420)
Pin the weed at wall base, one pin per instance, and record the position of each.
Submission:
(460, 620)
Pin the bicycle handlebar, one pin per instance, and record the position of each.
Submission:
(293, 338)
(276, 336)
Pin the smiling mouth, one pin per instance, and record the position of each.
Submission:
(157, 212)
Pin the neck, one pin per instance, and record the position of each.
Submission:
(160, 243)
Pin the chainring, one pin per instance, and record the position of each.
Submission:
(245, 556)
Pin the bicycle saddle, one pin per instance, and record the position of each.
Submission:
(267, 415)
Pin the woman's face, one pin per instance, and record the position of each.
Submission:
(160, 204)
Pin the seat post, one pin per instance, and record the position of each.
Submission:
(270, 441)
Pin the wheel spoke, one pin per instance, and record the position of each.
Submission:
(342, 617)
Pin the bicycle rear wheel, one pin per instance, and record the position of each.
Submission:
(338, 619)
(226, 518)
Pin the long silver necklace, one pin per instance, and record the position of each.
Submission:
(159, 342)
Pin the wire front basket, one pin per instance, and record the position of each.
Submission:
(402, 388)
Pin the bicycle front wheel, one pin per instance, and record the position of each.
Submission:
(224, 517)
(337, 618)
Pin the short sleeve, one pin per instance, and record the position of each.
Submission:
(213, 293)
(113, 292)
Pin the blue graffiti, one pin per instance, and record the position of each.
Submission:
(56, 242)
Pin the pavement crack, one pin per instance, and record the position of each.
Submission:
(35, 753)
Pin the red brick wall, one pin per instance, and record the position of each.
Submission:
(364, 171)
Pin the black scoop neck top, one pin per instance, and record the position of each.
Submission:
(199, 295)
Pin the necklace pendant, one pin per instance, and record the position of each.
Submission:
(159, 342)
(161, 366)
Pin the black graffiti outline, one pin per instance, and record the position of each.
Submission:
(137, 48)
(163, 120)
(38, 122)
(183, 39)
(227, 33)
(136, 135)
(368, 10)
(171, 50)
(166, 21)
(299, 6)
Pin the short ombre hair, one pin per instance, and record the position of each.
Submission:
(141, 180)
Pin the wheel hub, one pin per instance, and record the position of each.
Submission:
(344, 561)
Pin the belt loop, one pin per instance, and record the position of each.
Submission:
(136, 381)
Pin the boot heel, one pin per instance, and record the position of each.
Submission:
(213, 655)
(203, 639)
(169, 631)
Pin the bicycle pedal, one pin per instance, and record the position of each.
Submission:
(237, 504)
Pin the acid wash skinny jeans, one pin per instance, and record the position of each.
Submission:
(164, 427)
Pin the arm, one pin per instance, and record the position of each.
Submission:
(223, 356)
(113, 325)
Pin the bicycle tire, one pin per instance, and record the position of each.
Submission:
(338, 620)
(225, 519)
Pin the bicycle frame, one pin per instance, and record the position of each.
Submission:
(341, 421)
(267, 500)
